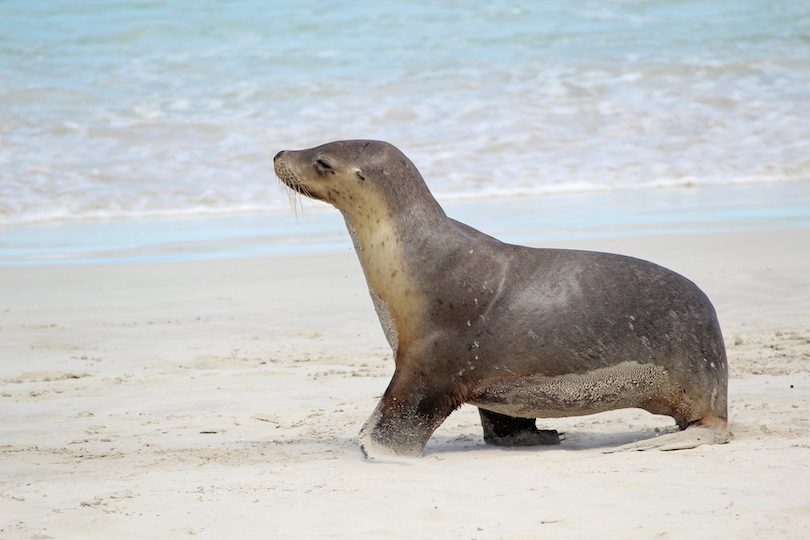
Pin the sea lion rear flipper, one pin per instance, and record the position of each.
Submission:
(712, 431)
(503, 430)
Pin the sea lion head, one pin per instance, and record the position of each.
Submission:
(348, 174)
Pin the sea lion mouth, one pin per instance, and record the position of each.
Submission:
(287, 177)
(295, 188)
(291, 180)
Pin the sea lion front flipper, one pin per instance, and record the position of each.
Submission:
(406, 416)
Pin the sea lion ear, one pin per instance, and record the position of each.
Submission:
(360, 174)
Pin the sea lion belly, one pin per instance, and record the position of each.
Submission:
(628, 384)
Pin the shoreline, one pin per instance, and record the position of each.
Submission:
(320, 229)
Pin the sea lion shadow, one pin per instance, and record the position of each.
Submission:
(444, 445)
(571, 441)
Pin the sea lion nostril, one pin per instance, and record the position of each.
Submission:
(278, 155)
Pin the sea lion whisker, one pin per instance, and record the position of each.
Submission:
(294, 196)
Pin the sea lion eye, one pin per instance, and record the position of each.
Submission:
(324, 165)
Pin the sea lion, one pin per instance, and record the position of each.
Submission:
(519, 332)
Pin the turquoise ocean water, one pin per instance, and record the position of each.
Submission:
(145, 130)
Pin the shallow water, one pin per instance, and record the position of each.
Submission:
(175, 108)
(530, 220)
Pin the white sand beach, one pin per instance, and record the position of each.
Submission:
(222, 398)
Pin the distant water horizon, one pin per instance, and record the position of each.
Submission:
(173, 109)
